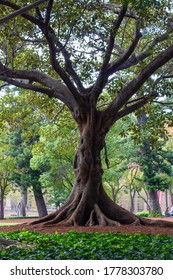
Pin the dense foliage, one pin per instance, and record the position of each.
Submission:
(87, 246)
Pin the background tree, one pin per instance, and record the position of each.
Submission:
(20, 116)
(119, 154)
(24, 176)
(114, 46)
(155, 164)
(7, 166)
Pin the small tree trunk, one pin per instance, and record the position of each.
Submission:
(132, 197)
(171, 194)
(23, 203)
(114, 193)
(154, 202)
(166, 198)
(40, 203)
(2, 204)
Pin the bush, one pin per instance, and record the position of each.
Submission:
(87, 246)
(143, 214)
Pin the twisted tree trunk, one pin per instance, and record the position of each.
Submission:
(88, 203)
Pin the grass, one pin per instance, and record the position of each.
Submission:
(20, 217)
(8, 224)
(87, 246)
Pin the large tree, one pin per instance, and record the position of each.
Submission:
(93, 46)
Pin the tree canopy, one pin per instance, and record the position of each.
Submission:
(97, 45)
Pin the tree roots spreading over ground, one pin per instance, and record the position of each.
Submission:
(78, 211)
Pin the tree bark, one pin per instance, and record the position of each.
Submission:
(40, 203)
(154, 202)
(88, 203)
(171, 195)
(23, 203)
(2, 204)
(132, 197)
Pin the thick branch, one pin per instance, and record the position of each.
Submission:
(53, 43)
(117, 63)
(100, 83)
(69, 67)
(27, 86)
(129, 109)
(51, 39)
(68, 63)
(34, 76)
(134, 60)
(23, 14)
(59, 69)
(20, 11)
(116, 25)
(131, 88)
(48, 12)
(50, 86)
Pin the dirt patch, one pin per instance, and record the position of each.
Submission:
(130, 229)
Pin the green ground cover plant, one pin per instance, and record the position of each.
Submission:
(87, 246)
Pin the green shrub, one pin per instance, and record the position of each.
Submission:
(143, 214)
(155, 215)
(87, 246)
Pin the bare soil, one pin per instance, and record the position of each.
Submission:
(129, 229)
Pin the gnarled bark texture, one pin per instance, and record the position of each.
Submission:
(88, 203)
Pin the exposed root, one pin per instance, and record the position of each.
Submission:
(78, 212)
(66, 217)
(98, 218)
(44, 219)
(136, 222)
(160, 223)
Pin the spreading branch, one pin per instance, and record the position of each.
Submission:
(48, 12)
(57, 67)
(129, 109)
(117, 63)
(101, 81)
(132, 87)
(52, 41)
(134, 60)
(19, 11)
(23, 14)
(43, 83)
